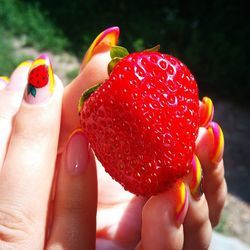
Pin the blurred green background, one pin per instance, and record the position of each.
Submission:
(211, 37)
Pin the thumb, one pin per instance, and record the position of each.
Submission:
(93, 71)
(74, 207)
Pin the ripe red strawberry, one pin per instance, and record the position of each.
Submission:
(142, 122)
(38, 78)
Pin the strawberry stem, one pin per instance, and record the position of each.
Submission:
(154, 49)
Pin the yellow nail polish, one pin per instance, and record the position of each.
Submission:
(218, 142)
(108, 36)
(181, 203)
(25, 64)
(206, 111)
(3, 81)
(196, 185)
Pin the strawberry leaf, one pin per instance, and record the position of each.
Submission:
(31, 90)
(86, 95)
(116, 54)
(118, 51)
(112, 64)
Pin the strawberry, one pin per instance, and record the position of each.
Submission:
(142, 122)
(38, 78)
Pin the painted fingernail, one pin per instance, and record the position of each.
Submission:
(218, 142)
(206, 111)
(3, 81)
(108, 36)
(77, 153)
(196, 185)
(182, 202)
(40, 81)
(17, 81)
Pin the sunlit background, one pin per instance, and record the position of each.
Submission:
(211, 37)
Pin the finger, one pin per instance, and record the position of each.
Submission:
(206, 111)
(74, 223)
(162, 219)
(119, 222)
(3, 82)
(27, 172)
(209, 149)
(93, 71)
(10, 100)
(197, 226)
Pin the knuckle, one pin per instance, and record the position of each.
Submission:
(215, 221)
(218, 205)
(201, 217)
(15, 225)
(73, 206)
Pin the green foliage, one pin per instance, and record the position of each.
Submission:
(6, 51)
(72, 74)
(30, 23)
(8, 59)
(210, 37)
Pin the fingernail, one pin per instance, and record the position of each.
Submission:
(181, 202)
(206, 111)
(3, 81)
(108, 36)
(16, 81)
(196, 185)
(218, 142)
(77, 153)
(40, 81)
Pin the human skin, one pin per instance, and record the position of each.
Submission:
(123, 220)
(55, 208)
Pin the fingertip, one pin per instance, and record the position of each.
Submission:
(3, 82)
(18, 79)
(162, 219)
(210, 145)
(102, 42)
(197, 226)
(74, 224)
(204, 146)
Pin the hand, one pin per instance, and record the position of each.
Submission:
(29, 130)
(29, 133)
(125, 221)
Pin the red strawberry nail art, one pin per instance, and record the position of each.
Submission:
(38, 78)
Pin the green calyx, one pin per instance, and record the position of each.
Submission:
(86, 95)
(116, 54)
